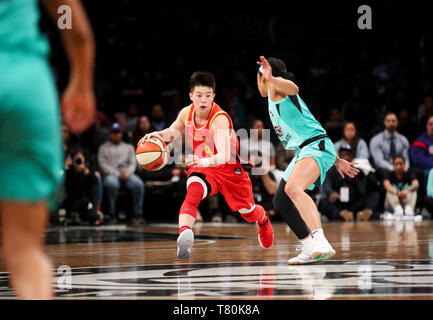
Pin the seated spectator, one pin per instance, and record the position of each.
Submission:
(131, 117)
(78, 186)
(118, 164)
(120, 118)
(334, 124)
(421, 151)
(258, 145)
(352, 138)
(142, 128)
(401, 189)
(385, 145)
(283, 157)
(264, 185)
(345, 196)
(157, 117)
(425, 110)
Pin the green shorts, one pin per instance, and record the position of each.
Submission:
(31, 156)
(325, 159)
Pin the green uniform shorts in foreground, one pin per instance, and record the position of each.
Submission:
(325, 159)
(31, 156)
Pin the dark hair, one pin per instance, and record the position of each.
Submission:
(354, 143)
(399, 156)
(279, 69)
(202, 78)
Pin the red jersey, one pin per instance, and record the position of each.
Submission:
(201, 138)
(230, 179)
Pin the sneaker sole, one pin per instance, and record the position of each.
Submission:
(322, 256)
(298, 262)
(184, 243)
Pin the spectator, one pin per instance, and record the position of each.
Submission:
(120, 118)
(334, 124)
(283, 157)
(407, 125)
(352, 138)
(158, 118)
(421, 151)
(258, 145)
(401, 189)
(385, 145)
(79, 180)
(345, 196)
(118, 163)
(425, 110)
(142, 128)
(131, 117)
(264, 185)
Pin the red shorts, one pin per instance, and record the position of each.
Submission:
(232, 181)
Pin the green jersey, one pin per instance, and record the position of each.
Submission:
(293, 121)
(19, 29)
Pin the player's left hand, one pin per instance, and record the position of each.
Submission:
(78, 108)
(267, 69)
(192, 161)
(345, 168)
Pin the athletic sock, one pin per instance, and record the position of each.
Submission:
(183, 228)
(318, 233)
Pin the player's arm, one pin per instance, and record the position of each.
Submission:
(287, 87)
(221, 132)
(172, 132)
(78, 100)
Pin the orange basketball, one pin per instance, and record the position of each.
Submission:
(153, 154)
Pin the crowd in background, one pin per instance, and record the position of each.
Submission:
(371, 91)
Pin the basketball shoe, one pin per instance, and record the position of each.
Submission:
(322, 249)
(266, 235)
(313, 250)
(184, 243)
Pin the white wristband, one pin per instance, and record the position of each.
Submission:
(204, 162)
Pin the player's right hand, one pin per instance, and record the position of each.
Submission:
(78, 108)
(147, 137)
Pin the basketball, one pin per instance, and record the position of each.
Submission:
(153, 154)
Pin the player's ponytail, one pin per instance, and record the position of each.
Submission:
(288, 75)
(279, 69)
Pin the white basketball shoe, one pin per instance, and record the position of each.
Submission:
(312, 251)
(184, 243)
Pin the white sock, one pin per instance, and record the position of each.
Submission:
(318, 234)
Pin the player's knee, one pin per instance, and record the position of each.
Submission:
(292, 190)
(196, 184)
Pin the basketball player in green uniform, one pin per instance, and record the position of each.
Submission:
(298, 130)
(31, 154)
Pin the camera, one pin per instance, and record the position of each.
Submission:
(78, 160)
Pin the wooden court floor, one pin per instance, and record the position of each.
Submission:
(374, 260)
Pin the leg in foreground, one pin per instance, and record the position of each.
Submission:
(23, 248)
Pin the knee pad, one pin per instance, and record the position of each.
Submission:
(201, 179)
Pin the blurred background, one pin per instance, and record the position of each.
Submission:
(146, 54)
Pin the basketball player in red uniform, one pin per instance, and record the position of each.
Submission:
(215, 165)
